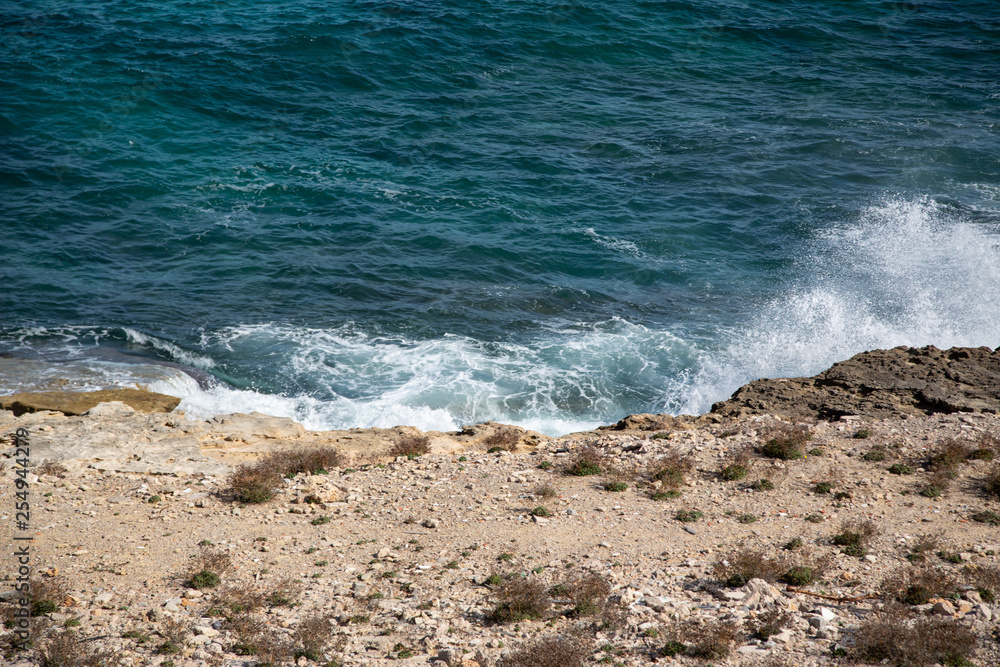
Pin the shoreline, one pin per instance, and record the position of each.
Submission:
(390, 561)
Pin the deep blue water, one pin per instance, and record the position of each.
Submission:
(545, 213)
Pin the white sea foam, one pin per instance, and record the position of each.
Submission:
(906, 272)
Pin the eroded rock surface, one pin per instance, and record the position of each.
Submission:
(75, 403)
(880, 384)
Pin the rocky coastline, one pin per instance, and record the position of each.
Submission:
(414, 560)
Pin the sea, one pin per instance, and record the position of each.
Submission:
(544, 213)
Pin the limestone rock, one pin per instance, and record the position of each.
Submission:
(75, 403)
(880, 384)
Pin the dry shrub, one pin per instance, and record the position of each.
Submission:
(712, 639)
(670, 470)
(50, 467)
(855, 536)
(552, 651)
(991, 485)
(207, 569)
(986, 579)
(770, 622)
(505, 440)
(744, 564)
(618, 477)
(174, 634)
(236, 600)
(890, 636)
(917, 585)
(410, 446)
(254, 637)
(587, 461)
(310, 460)
(804, 569)
(255, 482)
(66, 649)
(311, 636)
(47, 594)
(785, 442)
(285, 593)
(985, 448)
(519, 599)
(924, 545)
(737, 464)
(949, 454)
(588, 594)
(545, 491)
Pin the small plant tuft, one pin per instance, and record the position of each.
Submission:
(855, 536)
(900, 469)
(410, 446)
(688, 516)
(785, 442)
(587, 461)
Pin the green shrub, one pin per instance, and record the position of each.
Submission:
(688, 516)
(786, 442)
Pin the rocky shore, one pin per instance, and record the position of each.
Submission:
(807, 521)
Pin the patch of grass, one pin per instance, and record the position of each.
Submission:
(762, 484)
(174, 634)
(320, 520)
(937, 483)
(542, 511)
(664, 494)
(518, 599)
(152, 500)
(986, 579)
(948, 454)
(410, 446)
(744, 564)
(900, 469)
(855, 535)
(816, 451)
(862, 434)
(823, 487)
(793, 544)
(892, 637)
(815, 518)
(950, 557)
(737, 464)
(551, 651)
(255, 482)
(875, 454)
(587, 461)
(616, 486)
(505, 557)
(800, 575)
(545, 465)
(502, 440)
(785, 442)
(688, 516)
(747, 518)
(915, 585)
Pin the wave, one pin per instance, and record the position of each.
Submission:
(905, 272)
(902, 272)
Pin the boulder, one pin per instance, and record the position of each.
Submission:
(74, 403)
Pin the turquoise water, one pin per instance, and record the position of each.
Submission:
(544, 213)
